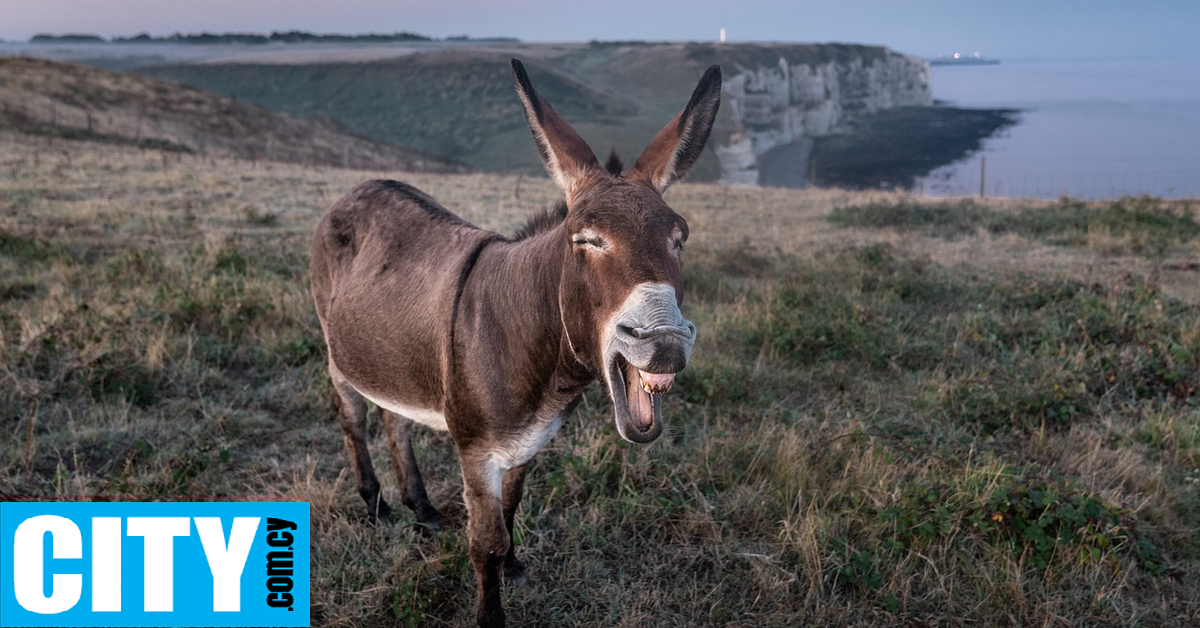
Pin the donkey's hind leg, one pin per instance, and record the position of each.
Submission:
(352, 416)
(412, 488)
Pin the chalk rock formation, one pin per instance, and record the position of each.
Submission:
(782, 107)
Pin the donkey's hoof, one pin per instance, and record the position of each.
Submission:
(429, 520)
(382, 514)
(490, 618)
(515, 573)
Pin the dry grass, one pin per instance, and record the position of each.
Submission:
(879, 427)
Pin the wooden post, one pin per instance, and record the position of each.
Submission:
(982, 174)
(812, 178)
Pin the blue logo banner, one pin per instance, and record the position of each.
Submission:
(154, 564)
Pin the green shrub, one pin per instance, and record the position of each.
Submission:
(715, 383)
(810, 327)
(1024, 395)
(1146, 224)
(119, 375)
(1037, 522)
(427, 589)
(23, 248)
(301, 350)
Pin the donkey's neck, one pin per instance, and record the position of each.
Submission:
(510, 315)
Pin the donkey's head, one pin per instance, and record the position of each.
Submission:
(622, 280)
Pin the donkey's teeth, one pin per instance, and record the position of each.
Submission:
(656, 383)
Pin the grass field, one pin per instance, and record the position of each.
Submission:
(899, 411)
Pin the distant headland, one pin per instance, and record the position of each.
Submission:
(276, 37)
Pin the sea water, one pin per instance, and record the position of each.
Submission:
(1087, 129)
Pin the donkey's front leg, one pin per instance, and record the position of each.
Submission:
(488, 536)
(514, 485)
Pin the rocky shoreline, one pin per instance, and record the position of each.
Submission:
(890, 149)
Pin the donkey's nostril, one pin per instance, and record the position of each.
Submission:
(680, 332)
(631, 333)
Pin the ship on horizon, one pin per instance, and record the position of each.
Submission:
(962, 59)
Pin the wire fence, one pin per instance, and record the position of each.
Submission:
(1046, 178)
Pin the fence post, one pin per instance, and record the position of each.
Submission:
(982, 174)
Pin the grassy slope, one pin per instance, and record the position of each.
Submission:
(893, 417)
(451, 103)
(74, 101)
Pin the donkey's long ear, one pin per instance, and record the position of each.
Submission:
(566, 156)
(676, 148)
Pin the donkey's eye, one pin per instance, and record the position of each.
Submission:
(587, 238)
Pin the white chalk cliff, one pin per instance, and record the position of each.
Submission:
(783, 107)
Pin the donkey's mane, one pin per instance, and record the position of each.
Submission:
(542, 221)
(552, 217)
(418, 198)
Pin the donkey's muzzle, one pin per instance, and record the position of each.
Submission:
(650, 341)
(661, 348)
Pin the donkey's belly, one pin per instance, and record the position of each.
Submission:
(424, 416)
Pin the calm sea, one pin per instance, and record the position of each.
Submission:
(1088, 129)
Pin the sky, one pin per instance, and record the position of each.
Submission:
(1074, 29)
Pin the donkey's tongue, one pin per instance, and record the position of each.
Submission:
(643, 408)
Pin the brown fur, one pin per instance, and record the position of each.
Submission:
(425, 311)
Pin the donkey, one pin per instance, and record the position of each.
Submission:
(494, 339)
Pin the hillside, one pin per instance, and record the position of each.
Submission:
(450, 103)
(72, 101)
(457, 102)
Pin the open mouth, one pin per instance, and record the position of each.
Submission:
(637, 399)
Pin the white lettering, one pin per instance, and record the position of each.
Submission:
(159, 533)
(226, 563)
(65, 542)
(106, 564)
